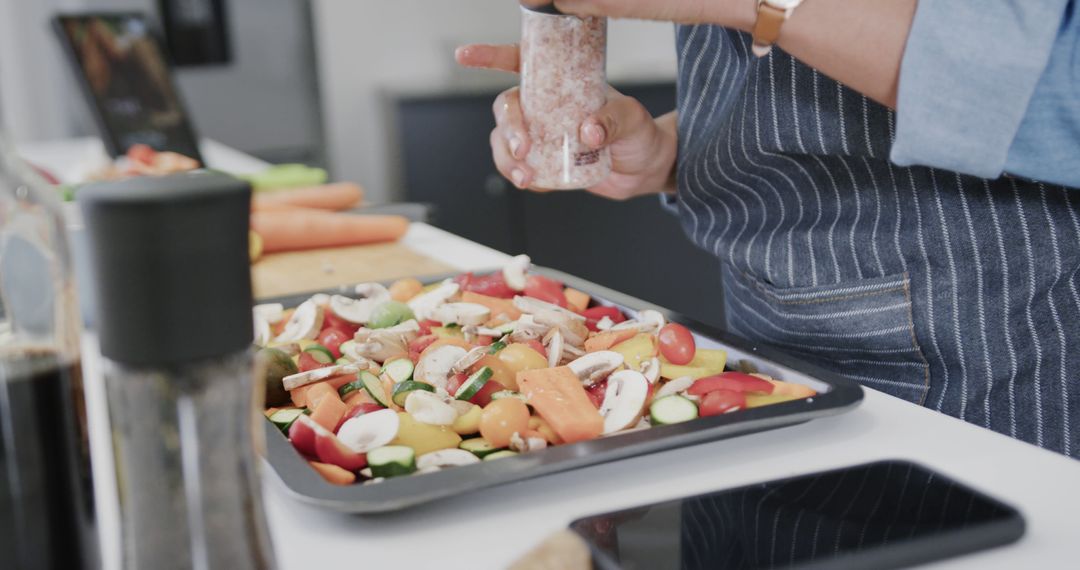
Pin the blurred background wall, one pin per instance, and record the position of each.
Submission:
(310, 80)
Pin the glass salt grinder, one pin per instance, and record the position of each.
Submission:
(173, 307)
(47, 514)
(563, 81)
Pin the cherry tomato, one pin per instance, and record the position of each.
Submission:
(455, 382)
(677, 344)
(545, 289)
(502, 419)
(594, 314)
(417, 346)
(332, 321)
(483, 397)
(733, 381)
(332, 339)
(307, 363)
(596, 393)
(535, 345)
(721, 402)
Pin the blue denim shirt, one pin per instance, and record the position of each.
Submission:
(991, 87)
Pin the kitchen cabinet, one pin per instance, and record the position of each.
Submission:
(634, 246)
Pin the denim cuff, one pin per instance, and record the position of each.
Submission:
(968, 73)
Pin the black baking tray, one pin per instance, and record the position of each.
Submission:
(836, 395)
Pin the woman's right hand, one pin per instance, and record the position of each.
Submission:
(642, 148)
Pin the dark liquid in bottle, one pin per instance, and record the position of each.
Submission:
(46, 493)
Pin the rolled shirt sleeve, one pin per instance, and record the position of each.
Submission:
(968, 74)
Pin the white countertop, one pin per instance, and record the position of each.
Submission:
(506, 521)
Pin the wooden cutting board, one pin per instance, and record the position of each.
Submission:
(299, 272)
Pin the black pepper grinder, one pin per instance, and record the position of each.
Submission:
(172, 286)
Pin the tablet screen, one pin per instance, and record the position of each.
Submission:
(815, 519)
(129, 82)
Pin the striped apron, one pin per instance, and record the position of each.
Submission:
(953, 292)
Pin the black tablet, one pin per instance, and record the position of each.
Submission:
(125, 74)
(888, 514)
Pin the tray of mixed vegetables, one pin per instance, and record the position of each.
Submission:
(384, 396)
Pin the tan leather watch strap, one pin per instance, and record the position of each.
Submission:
(767, 28)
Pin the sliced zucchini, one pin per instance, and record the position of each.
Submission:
(496, 347)
(479, 447)
(349, 388)
(474, 383)
(399, 370)
(374, 387)
(342, 361)
(403, 389)
(392, 461)
(500, 455)
(509, 394)
(320, 353)
(284, 419)
(672, 410)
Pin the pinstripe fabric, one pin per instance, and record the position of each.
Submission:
(954, 292)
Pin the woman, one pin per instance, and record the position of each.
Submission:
(889, 246)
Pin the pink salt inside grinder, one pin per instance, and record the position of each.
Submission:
(563, 81)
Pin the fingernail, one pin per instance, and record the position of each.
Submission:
(518, 177)
(594, 134)
(515, 146)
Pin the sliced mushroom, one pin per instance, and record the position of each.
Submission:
(446, 458)
(554, 345)
(571, 352)
(533, 306)
(574, 331)
(358, 311)
(429, 408)
(595, 366)
(522, 444)
(526, 329)
(515, 272)
(470, 358)
(295, 381)
(624, 400)
(605, 323)
(676, 386)
(270, 312)
(651, 369)
(263, 334)
(472, 331)
(435, 366)
(423, 304)
(305, 323)
(647, 321)
(369, 431)
(461, 314)
(381, 344)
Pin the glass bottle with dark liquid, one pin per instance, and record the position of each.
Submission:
(47, 516)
